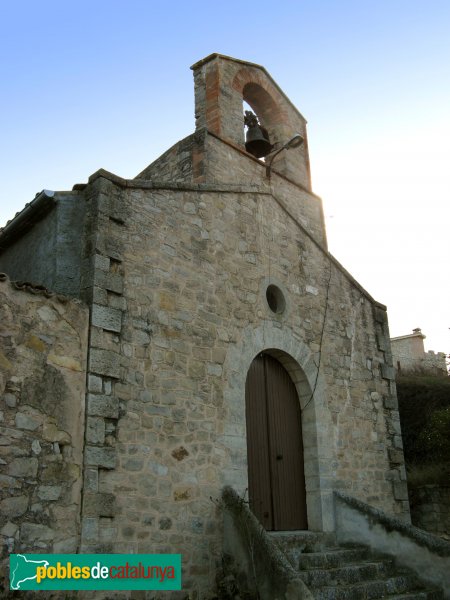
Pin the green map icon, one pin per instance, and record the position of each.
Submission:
(23, 569)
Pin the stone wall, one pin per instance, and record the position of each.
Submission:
(42, 390)
(177, 278)
(175, 165)
(46, 250)
(430, 509)
(204, 157)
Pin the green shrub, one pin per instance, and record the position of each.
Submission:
(424, 406)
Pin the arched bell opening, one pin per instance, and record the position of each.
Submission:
(264, 135)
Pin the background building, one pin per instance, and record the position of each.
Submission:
(409, 355)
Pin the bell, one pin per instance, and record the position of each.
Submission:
(257, 139)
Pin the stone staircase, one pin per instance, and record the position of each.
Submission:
(333, 572)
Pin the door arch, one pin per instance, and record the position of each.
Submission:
(276, 476)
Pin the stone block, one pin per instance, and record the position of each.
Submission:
(14, 507)
(51, 433)
(396, 456)
(398, 442)
(109, 281)
(23, 467)
(113, 207)
(95, 384)
(99, 505)
(91, 480)
(107, 318)
(101, 262)
(10, 400)
(379, 314)
(28, 422)
(133, 464)
(382, 340)
(35, 532)
(104, 362)
(101, 457)
(9, 530)
(36, 447)
(390, 402)
(103, 406)
(387, 372)
(400, 490)
(99, 296)
(95, 430)
(49, 492)
(89, 529)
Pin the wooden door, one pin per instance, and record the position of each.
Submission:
(274, 447)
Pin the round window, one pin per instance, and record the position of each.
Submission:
(275, 299)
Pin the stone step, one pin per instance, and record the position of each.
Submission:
(305, 541)
(423, 595)
(393, 587)
(349, 573)
(331, 558)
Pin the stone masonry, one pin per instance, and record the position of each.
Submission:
(409, 355)
(42, 390)
(175, 266)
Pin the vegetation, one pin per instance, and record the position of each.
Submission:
(424, 406)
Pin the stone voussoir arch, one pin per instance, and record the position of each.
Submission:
(300, 363)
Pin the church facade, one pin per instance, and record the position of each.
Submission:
(224, 346)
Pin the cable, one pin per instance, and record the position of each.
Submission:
(321, 339)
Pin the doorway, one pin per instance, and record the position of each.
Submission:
(276, 476)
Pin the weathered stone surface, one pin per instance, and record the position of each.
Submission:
(390, 402)
(23, 467)
(29, 422)
(14, 506)
(101, 457)
(51, 433)
(107, 318)
(49, 492)
(99, 505)
(396, 456)
(95, 430)
(387, 372)
(36, 447)
(35, 532)
(103, 406)
(9, 530)
(44, 413)
(10, 400)
(109, 281)
(400, 490)
(104, 362)
(95, 384)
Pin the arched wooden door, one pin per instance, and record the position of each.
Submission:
(274, 446)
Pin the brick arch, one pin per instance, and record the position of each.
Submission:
(264, 99)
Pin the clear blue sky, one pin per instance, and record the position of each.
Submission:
(107, 84)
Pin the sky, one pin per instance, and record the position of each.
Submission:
(107, 84)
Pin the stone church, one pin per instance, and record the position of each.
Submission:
(169, 335)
